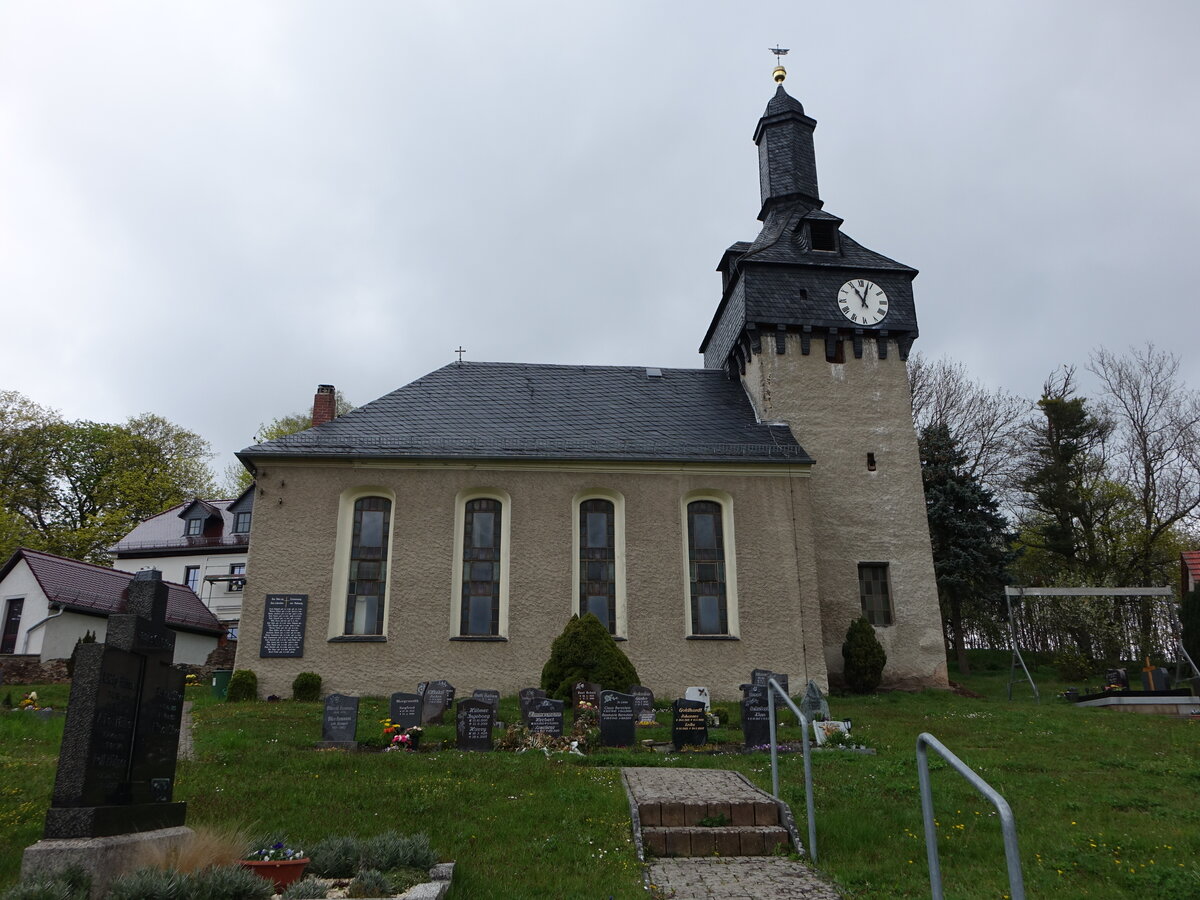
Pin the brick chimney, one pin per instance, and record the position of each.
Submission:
(324, 405)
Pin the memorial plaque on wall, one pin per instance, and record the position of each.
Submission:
(340, 722)
(545, 716)
(405, 710)
(436, 700)
(617, 720)
(284, 619)
(689, 725)
(474, 720)
(527, 696)
(756, 718)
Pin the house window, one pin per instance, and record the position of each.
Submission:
(598, 561)
(194, 527)
(238, 569)
(874, 592)
(12, 625)
(241, 523)
(706, 567)
(367, 587)
(481, 567)
(191, 576)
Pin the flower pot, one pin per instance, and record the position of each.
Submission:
(280, 872)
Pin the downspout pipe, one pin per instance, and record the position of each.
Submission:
(61, 609)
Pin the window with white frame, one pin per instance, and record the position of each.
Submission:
(191, 577)
(239, 570)
(366, 590)
(479, 608)
(710, 567)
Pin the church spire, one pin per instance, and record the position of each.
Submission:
(787, 161)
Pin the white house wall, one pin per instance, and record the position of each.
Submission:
(225, 604)
(21, 583)
(63, 631)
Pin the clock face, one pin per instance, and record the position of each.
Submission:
(863, 302)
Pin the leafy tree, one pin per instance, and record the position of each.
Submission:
(585, 651)
(864, 657)
(970, 541)
(75, 488)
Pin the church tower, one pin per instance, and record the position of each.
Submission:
(818, 328)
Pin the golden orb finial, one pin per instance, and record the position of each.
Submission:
(779, 74)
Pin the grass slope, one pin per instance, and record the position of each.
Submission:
(1104, 801)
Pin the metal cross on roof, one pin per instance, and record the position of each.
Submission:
(460, 351)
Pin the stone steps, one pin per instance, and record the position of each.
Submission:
(742, 840)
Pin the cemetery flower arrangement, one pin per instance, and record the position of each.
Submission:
(276, 852)
(29, 702)
(397, 738)
(191, 680)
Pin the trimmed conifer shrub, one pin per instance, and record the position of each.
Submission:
(307, 687)
(243, 685)
(585, 651)
(864, 657)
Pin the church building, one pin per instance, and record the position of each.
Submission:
(716, 520)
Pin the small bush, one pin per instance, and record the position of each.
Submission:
(1073, 665)
(585, 651)
(148, 884)
(335, 857)
(307, 687)
(228, 883)
(418, 853)
(243, 685)
(306, 889)
(864, 657)
(388, 850)
(370, 883)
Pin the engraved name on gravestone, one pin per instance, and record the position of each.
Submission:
(689, 724)
(436, 700)
(284, 620)
(756, 717)
(545, 716)
(585, 692)
(474, 720)
(405, 710)
(116, 767)
(491, 698)
(760, 676)
(526, 696)
(340, 722)
(617, 720)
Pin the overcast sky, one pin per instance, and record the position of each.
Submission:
(206, 209)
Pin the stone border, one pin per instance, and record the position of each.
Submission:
(634, 817)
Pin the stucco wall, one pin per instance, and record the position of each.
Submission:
(21, 583)
(840, 413)
(293, 551)
(63, 631)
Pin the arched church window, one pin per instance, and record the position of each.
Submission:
(481, 567)
(367, 585)
(598, 561)
(706, 566)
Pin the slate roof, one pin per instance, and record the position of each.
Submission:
(165, 532)
(488, 410)
(89, 588)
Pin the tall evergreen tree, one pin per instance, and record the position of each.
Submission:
(971, 552)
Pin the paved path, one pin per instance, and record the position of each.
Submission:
(738, 878)
(719, 877)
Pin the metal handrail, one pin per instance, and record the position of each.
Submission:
(772, 687)
(1008, 826)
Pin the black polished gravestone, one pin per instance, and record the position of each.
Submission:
(340, 722)
(436, 697)
(545, 716)
(116, 768)
(756, 718)
(584, 692)
(491, 698)
(527, 696)
(618, 723)
(643, 704)
(473, 721)
(689, 724)
(405, 710)
(759, 679)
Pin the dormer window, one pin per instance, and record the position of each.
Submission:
(823, 236)
(241, 523)
(194, 527)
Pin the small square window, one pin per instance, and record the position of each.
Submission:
(194, 527)
(824, 236)
(874, 592)
(241, 523)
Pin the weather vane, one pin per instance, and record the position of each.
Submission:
(780, 72)
(460, 351)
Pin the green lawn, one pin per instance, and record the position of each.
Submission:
(1105, 802)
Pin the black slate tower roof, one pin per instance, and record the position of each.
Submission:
(480, 410)
(787, 279)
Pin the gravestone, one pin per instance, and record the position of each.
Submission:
(617, 719)
(760, 676)
(814, 705)
(116, 767)
(340, 722)
(756, 717)
(689, 723)
(492, 698)
(545, 716)
(697, 693)
(823, 730)
(584, 692)
(526, 696)
(643, 704)
(1117, 677)
(284, 620)
(435, 700)
(405, 710)
(473, 721)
